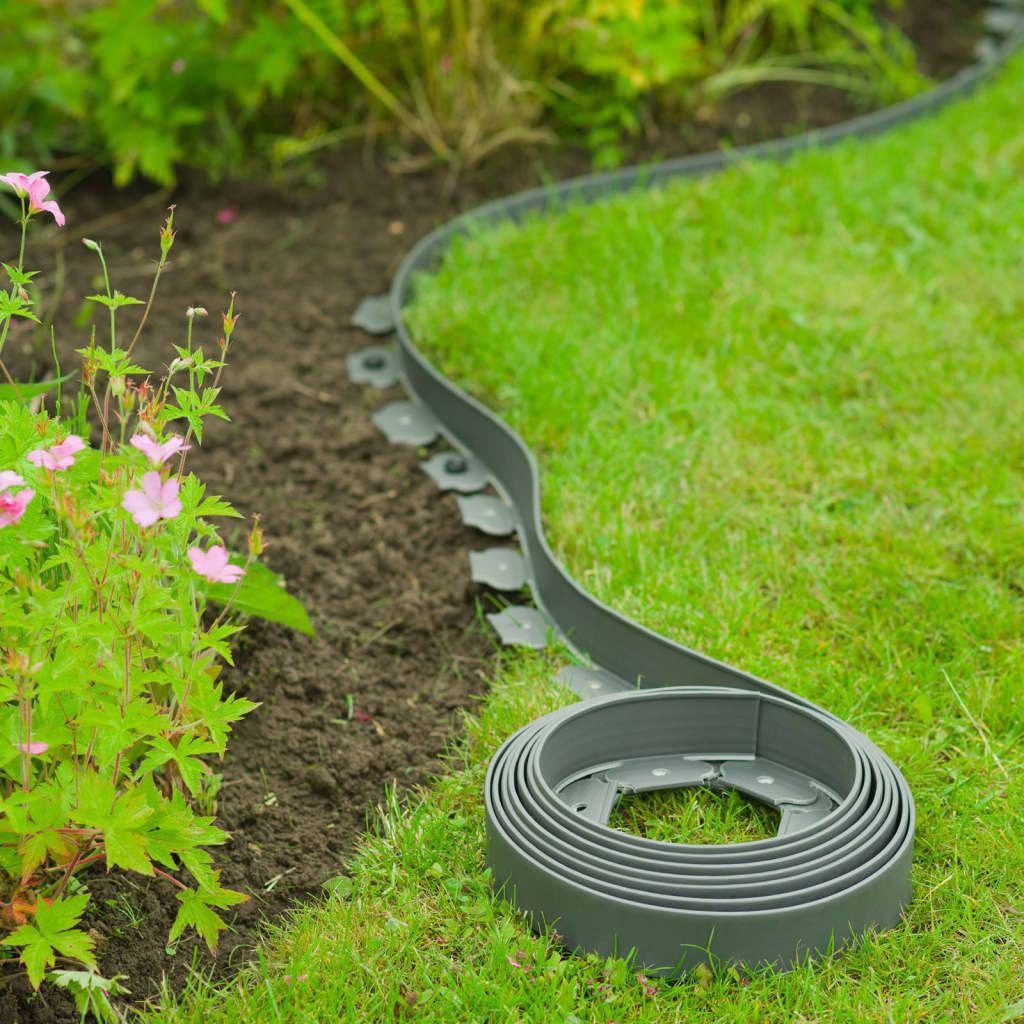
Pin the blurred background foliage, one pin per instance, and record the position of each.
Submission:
(230, 86)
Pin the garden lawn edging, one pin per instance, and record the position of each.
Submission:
(625, 654)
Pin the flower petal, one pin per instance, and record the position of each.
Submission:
(51, 207)
(147, 446)
(152, 487)
(35, 747)
(140, 507)
(42, 458)
(69, 446)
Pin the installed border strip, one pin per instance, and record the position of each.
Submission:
(824, 879)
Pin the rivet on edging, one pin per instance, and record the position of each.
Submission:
(453, 471)
(501, 568)
(407, 423)
(488, 514)
(374, 315)
(519, 625)
(591, 681)
(377, 365)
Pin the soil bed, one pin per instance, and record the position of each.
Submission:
(360, 534)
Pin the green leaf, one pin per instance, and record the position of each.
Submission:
(91, 991)
(9, 394)
(19, 276)
(195, 912)
(60, 915)
(115, 301)
(14, 305)
(217, 507)
(37, 956)
(261, 593)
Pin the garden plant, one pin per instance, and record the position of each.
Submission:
(110, 705)
(147, 85)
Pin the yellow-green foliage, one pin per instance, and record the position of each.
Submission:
(146, 85)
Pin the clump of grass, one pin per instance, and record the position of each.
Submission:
(694, 815)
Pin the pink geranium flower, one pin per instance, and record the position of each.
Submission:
(58, 456)
(8, 478)
(227, 215)
(157, 500)
(214, 564)
(36, 188)
(35, 747)
(12, 506)
(158, 453)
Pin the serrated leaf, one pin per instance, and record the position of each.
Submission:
(35, 850)
(36, 957)
(195, 912)
(114, 301)
(37, 954)
(60, 915)
(17, 276)
(217, 507)
(261, 593)
(76, 945)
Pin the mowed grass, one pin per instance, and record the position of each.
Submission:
(779, 415)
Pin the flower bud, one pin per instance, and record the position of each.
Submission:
(117, 386)
(195, 311)
(256, 538)
(90, 244)
(166, 234)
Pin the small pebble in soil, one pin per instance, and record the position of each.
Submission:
(321, 781)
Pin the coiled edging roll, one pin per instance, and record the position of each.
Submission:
(839, 866)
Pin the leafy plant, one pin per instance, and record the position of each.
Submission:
(145, 85)
(110, 701)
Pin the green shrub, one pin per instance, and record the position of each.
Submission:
(146, 85)
(111, 708)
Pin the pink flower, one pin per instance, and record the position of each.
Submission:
(35, 747)
(227, 215)
(12, 506)
(288, 978)
(178, 66)
(156, 500)
(214, 564)
(158, 453)
(36, 188)
(59, 456)
(8, 478)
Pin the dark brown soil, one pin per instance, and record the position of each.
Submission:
(361, 535)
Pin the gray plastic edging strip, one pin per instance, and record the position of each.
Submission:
(819, 884)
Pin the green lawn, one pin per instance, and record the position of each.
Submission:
(779, 417)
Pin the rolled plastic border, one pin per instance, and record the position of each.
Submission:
(535, 843)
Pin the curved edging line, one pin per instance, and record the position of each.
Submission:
(841, 862)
